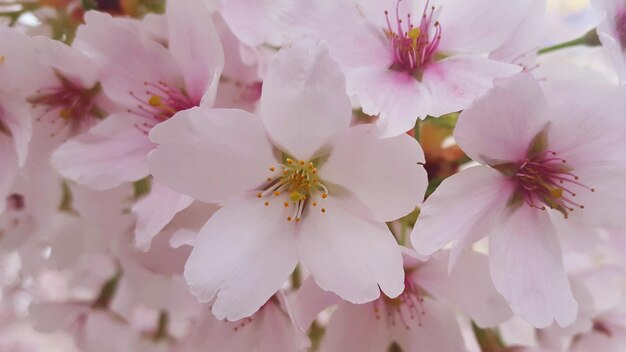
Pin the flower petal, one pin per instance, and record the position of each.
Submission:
(195, 44)
(126, 59)
(304, 102)
(349, 255)
(8, 160)
(481, 26)
(473, 199)
(398, 98)
(468, 286)
(243, 254)
(112, 152)
(212, 155)
(439, 330)
(454, 83)
(354, 327)
(501, 125)
(360, 163)
(155, 211)
(527, 269)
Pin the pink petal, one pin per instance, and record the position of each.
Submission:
(607, 32)
(468, 287)
(8, 160)
(354, 327)
(353, 41)
(481, 26)
(16, 116)
(212, 155)
(155, 211)
(501, 125)
(195, 44)
(126, 59)
(243, 254)
(298, 80)
(474, 198)
(67, 60)
(253, 21)
(360, 163)
(526, 267)
(113, 152)
(398, 98)
(350, 256)
(454, 83)
(439, 331)
(310, 300)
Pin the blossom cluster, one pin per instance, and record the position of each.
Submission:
(304, 175)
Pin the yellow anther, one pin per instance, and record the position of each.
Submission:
(295, 196)
(324, 195)
(272, 169)
(267, 204)
(289, 161)
(286, 204)
(556, 192)
(301, 162)
(311, 166)
(323, 210)
(66, 114)
(314, 204)
(2, 58)
(415, 33)
(297, 219)
(289, 218)
(259, 195)
(269, 179)
(277, 193)
(155, 100)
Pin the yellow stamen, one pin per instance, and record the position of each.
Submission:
(155, 100)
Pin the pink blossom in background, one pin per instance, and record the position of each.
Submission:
(320, 175)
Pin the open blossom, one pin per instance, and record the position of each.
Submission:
(297, 184)
(417, 320)
(151, 82)
(406, 59)
(612, 33)
(546, 171)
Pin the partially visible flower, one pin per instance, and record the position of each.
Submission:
(406, 59)
(544, 170)
(151, 81)
(417, 320)
(612, 33)
(297, 184)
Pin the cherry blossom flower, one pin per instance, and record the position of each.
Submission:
(297, 184)
(545, 171)
(151, 82)
(418, 319)
(408, 59)
(612, 33)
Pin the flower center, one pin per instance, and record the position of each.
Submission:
(406, 309)
(546, 180)
(412, 46)
(70, 102)
(160, 101)
(621, 28)
(297, 184)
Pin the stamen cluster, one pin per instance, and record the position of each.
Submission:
(299, 181)
(412, 47)
(546, 180)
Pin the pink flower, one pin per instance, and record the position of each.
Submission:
(408, 59)
(151, 82)
(296, 184)
(612, 33)
(417, 320)
(544, 170)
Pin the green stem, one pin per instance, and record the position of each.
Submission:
(589, 39)
(489, 340)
